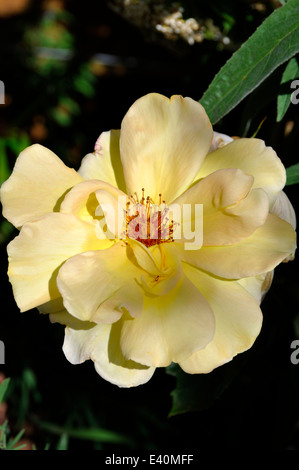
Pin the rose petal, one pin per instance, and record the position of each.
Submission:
(89, 279)
(254, 158)
(268, 246)
(101, 344)
(104, 163)
(163, 143)
(36, 186)
(170, 328)
(238, 321)
(231, 212)
(37, 253)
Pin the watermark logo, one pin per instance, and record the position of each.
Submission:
(149, 223)
(295, 94)
(2, 353)
(295, 354)
(2, 92)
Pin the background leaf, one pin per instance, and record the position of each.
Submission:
(90, 433)
(273, 43)
(3, 388)
(284, 98)
(293, 174)
(199, 391)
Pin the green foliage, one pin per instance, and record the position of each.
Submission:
(198, 392)
(3, 389)
(290, 73)
(99, 435)
(25, 392)
(293, 174)
(10, 443)
(273, 43)
(11, 145)
(84, 81)
(14, 142)
(65, 111)
(6, 441)
(50, 42)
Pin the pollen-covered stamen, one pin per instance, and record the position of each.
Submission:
(148, 222)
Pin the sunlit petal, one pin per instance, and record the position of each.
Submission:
(163, 143)
(238, 320)
(37, 185)
(37, 253)
(170, 328)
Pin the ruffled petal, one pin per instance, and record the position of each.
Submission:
(82, 200)
(104, 163)
(101, 204)
(163, 143)
(220, 140)
(101, 344)
(97, 285)
(268, 246)
(170, 328)
(231, 212)
(254, 158)
(238, 321)
(284, 209)
(37, 253)
(257, 286)
(36, 186)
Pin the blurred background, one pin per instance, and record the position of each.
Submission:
(71, 70)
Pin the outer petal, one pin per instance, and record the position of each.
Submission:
(254, 158)
(257, 286)
(220, 140)
(268, 246)
(230, 214)
(104, 163)
(220, 189)
(163, 143)
(89, 280)
(36, 186)
(101, 344)
(83, 200)
(284, 209)
(170, 328)
(36, 254)
(238, 320)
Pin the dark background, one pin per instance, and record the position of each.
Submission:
(64, 104)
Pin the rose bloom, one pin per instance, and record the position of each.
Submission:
(137, 301)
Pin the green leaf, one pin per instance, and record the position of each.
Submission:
(292, 174)
(272, 44)
(284, 98)
(13, 441)
(193, 392)
(89, 434)
(63, 442)
(3, 388)
(4, 166)
(18, 141)
(199, 391)
(6, 229)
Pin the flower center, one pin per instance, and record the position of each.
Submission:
(147, 222)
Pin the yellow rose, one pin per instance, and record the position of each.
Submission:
(143, 296)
